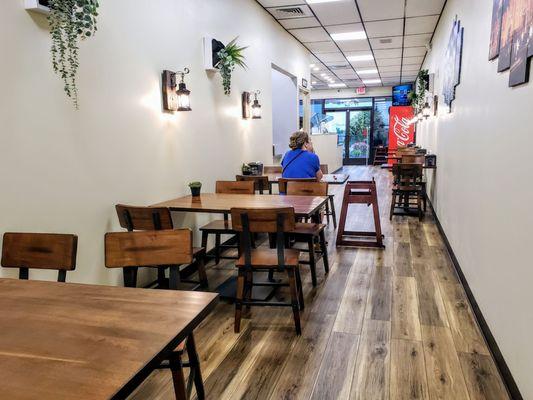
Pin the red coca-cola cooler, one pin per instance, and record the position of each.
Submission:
(401, 127)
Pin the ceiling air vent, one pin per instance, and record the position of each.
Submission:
(385, 41)
(291, 12)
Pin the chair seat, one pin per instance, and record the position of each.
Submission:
(218, 225)
(268, 258)
(308, 229)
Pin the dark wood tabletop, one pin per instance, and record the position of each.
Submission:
(304, 206)
(80, 342)
(333, 179)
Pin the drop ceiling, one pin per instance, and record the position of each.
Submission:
(360, 42)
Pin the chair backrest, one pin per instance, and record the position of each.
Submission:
(144, 218)
(407, 173)
(148, 248)
(232, 187)
(282, 182)
(413, 159)
(401, 151)
(307, 188)
(324, 168)
(262, 220)
(260, 182)
(39, 251)
(273, 169)
(248, 221)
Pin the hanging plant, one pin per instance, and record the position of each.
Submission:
(70, 21)
(418, 95)
(229, 57)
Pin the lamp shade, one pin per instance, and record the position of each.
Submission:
(184, 103)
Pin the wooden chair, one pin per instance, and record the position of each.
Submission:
(330, 207)
(278, 221)
(324, 168)
(39, 251)
(223, 227)
(261, 182)
(310, 233)
(407, 184)
(273, 169)
(135, 218)
(171, 248)
(417, 159)
(282, 182)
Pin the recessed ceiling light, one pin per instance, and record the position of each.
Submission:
(323, 75)
(337, 85)
(316, 69)
(320, 1)
(312, 65)
(371, 81)
(364, 57)
(367, 71)
(358, 35)
(313, 83)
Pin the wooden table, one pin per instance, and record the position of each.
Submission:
(389, 166)
(87, 342)
(332, 179)
(304, 206)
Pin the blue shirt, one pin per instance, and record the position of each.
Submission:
(305, 164)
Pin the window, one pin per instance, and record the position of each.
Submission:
(317, 117)
(381, 120)
(348, 103)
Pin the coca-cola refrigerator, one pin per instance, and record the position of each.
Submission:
(401, 130)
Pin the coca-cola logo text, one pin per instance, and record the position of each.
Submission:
(401, 130)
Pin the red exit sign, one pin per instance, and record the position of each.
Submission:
(360, 90)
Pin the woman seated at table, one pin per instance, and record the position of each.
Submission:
(301, 161)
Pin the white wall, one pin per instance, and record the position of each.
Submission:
(328, 151)
(64, 170)
(284, 110)
(482, 188)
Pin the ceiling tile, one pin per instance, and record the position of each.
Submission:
(385, 62)
(363, 64)
(331, 57)
(414, 51)
(421, 24)
(345, 28)
(338, 12)
(372, 10)
(390, 68)
(411, 68)
(376, 29)
(387, 53)
(391, 42)
(354, 45)
(347, 75)
(417, 40)
(413, 60)
(388, 74)
(408, 79)
(322, 47)
(310, 34)
(417, 8)
(292, 23)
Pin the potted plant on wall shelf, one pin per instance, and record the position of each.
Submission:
(418, 95)
(70, 21)
(229, 57)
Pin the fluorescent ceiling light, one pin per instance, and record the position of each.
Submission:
(312, 65)
(358, 35)
(320, 1)
(323, 75)
(371, 81)
(313, 83)
(364, 57)
(337, 85)
(367, 71)
(316, 69)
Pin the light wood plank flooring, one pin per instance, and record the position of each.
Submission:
(384, 324)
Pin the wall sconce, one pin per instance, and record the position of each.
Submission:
(426, 110)
(249, 109)
(175, 99)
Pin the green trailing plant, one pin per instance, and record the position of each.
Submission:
(417, 97)
(229, 57)
(70, 21)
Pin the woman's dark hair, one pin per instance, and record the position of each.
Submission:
(298, 139)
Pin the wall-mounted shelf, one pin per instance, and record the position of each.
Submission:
(38, 6)
(211, 48)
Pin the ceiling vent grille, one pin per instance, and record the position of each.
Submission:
(385, 41)
(291, 12)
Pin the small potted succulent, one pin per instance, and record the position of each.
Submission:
(195, 188)
(246, 170)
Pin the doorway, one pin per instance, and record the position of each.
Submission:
(354, 132)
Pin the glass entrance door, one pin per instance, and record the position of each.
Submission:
(357, 143)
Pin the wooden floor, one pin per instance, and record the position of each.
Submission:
(384, 324)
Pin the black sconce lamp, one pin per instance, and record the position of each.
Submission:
(176, 99)
(427, 110)
(251, 109)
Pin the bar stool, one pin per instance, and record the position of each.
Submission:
(330, 207)
(135, 218)
(407, 184)
(39, 251)
(276, 221)
(169, 248)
